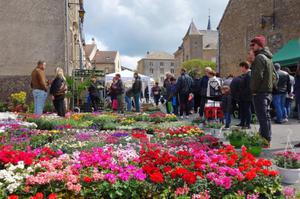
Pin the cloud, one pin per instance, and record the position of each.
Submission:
(100, 44)
(134, 27)
(129, 61)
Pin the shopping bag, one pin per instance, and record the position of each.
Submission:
(174, 101)
(115, 104)
(169, 107)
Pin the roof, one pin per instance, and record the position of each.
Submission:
(289, 54)
(105, 57)
(159, 55)
(88, 49)
(192, 30)
(210, 39)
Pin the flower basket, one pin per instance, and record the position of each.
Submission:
(289, 176)
(236, 142)
(255, 150)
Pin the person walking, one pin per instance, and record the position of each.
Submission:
(226, 105)
(174, 96)
(166, 87)
(94, 93)
(246, 97)
(119, 93)
(136, 90)
(155, 92)
(203, 91)
(184, 89)
(213, 87)
(58, 90)
(39, 85)
(290, 95)
(197, 93)
(261, 85)
(146, 91)
(279, 94)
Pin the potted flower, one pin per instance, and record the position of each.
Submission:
(288, 163)
(237, 137)
(254, 144)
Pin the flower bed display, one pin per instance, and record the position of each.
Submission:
(85, 159)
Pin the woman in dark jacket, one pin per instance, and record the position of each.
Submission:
(57, 90)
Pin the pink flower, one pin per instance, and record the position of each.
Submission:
(182, 191)
(289, 192)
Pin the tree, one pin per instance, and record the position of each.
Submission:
(194, 66)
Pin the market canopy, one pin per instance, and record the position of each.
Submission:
(127, 77)
(289, 54)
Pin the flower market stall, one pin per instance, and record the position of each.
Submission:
(149, 155)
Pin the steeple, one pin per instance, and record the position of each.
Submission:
(208, 25)
(192, 30)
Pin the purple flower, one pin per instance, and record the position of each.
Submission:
(110, 177)
(120, 134)
(124, 176)
(140, 175)
(83, 136)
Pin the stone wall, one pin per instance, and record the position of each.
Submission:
(242, 21)
(31, 30)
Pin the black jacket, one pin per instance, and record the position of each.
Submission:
(197, 87)
(58, 88)
(137, 86)
(245, 90)
(184, 84)
(226, 103)
(284, 84)
(235, 88)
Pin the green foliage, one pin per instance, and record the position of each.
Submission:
(3, 107)
(194, 66)
(49, 108)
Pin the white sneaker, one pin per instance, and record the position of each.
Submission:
(181, 117)
(285, 120)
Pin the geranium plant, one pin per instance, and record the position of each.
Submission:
(287, 159)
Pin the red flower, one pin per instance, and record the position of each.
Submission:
(87, 179)
(39, 195)
(13, 197)
(167, 169)
(250, 175)
(157, 177)
(189, 178)
(52, 196)
(273, 173)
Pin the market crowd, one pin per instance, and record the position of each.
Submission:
(260, 84)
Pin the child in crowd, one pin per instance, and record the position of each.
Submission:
(173, 96)
(226, 105)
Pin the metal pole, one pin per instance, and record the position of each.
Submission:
(67, 37)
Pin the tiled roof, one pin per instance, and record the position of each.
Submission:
(159, 55)
(105, 57)
(192, 30)
(88, 49)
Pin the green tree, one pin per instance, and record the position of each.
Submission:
(194, 66)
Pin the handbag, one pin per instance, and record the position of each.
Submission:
(170, 107)
(115, 104)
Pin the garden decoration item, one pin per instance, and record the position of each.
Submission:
(255, 143)
(237, 137)
(288, 163)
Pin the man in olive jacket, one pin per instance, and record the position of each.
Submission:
(261, 84)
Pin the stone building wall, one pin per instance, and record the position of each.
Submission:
(242, 21)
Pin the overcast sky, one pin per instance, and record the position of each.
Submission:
(134, 27)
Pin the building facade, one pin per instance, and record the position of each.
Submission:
(197, 44)
(156, 65)
(277, 20)
(107, 61)
(38, 30)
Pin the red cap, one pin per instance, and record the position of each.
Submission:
(259, 40)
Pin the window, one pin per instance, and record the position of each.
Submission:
(172, 70)
(151, 63)
(172, 63)
(162, 79)
(161, 63)
(106, 70)
(151, 70)
(162, 71)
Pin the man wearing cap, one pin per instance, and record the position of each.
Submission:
(280, 93)
(261, 84)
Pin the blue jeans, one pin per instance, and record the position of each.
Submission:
(279, 105)
(288, 105)
(137, 102)
(227, 117)
(39, 98)
(262, 103)
(128, 102)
